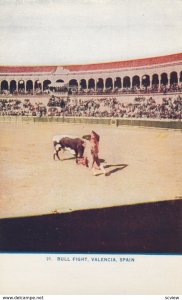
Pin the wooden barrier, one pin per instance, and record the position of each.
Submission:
(170, 124)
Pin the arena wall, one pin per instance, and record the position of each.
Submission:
(165, 124)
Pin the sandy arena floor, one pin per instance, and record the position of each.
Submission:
(143, 165)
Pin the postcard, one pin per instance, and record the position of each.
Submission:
(90, 147)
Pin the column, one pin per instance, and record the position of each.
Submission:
(112, 84)
(150, 82)
(33, 87)
(104, 84)
(95, 84)
(168, 80)
(114, 81)
(42, 86)
(141, 78)
(159, 86)
(25, 85)
(130, 81)
(78, 85)
(8, 85)
(178, 77)
(121, 83)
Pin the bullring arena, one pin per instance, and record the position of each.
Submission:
(142, 163)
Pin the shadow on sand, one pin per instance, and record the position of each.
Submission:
(117, 167)
(141, 228)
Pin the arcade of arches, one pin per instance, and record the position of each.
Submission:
(111, 83)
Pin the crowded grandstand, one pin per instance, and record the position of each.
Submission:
(141, 107)
(141, 88)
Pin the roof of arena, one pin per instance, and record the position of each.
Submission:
(95, 67)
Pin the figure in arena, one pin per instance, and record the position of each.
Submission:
(91, 154)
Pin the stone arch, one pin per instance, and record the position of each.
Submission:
(83, 84)
(145, 80)
(29, 86)
(136, 81)
(155, 79)
(117, 83)
(46, 84)
(126, 82)
(21, 86)
(4, 85)
(109, 83)
(173, 78)
(37, 84)
(60, 80)
(13, 86)
(91, 83)
(164, 78)
(100, 83)
(73, 83)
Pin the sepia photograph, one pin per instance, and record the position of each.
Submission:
(90, 134)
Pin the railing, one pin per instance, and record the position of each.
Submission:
(171, 124)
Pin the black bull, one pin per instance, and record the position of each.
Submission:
(75, 144)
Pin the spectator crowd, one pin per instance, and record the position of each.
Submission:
(14, 107)
(163, 89)
(141, 107)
